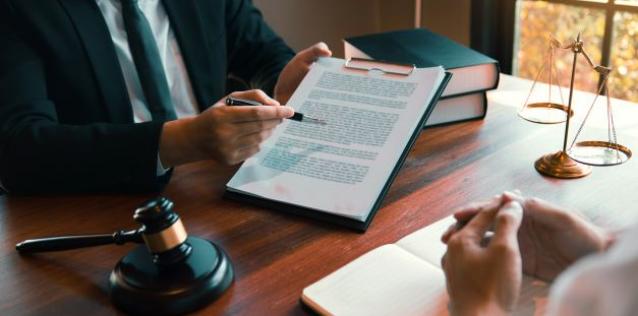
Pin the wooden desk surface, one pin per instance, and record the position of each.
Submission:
(276, 255)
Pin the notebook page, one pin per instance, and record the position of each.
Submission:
(384, 281)
(404, 278)
(426, 244)
(340, 167)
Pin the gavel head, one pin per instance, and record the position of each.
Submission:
(163, 231)
(174, 273)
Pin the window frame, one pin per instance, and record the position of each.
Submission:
(492, 30)
(610, 7)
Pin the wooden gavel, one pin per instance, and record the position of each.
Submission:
(173, 274)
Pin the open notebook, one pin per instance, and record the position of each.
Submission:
(404, 278)
(341, 171)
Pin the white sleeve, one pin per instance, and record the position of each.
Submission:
(603, 284)
(160, 168)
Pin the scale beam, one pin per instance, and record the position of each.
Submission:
(575, 161)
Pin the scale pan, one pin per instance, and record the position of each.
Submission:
(599, 153)
(545, 113)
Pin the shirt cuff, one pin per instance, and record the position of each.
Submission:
(160, 168)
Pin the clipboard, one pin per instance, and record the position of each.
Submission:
(358, 64)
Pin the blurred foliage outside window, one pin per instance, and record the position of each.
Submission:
(538, 20)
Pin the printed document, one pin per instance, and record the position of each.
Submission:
(340, 167)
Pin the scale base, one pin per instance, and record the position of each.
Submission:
(140, 287)
(560, 165)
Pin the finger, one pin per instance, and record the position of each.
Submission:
(257, 113)
(486, 240)
(448, 233)
(540, 205)
(444, 260)
(508, 220)
(550, 215)
(247, 128)
(513, 196)
(255, 95)
(478, 225)
(453, 229)
(254, 139)
(466, 213)
(310, 54)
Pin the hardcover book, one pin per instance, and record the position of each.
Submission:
(473, 73)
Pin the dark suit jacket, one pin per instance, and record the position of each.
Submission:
(66, 122)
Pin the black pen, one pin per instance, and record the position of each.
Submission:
(299, 117)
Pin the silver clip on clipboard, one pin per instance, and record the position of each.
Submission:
(389, 68)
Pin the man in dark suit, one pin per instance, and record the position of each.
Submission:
(110, 94)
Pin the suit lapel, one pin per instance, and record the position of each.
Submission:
(91, 27)
(187, 24)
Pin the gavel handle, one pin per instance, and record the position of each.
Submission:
(74, 242)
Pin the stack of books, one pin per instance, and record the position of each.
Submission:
(472, 72)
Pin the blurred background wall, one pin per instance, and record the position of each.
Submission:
(304, 22)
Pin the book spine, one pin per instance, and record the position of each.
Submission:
(493, 87)
(468, 119)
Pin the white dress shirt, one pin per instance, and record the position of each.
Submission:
(602, 284)
(179, 83)
(176, 74)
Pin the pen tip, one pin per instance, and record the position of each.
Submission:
(316, 121)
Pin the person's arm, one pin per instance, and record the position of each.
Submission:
(551, 238)
(255, 53)
(226, 134)
(38, 154)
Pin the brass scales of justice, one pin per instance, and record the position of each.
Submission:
(576, 160)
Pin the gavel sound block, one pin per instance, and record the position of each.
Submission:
(171, 274)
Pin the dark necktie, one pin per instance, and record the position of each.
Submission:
(147, 62)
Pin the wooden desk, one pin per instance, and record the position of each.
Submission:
(276, 255)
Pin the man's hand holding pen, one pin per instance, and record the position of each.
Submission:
(299, 117)
(228, 135)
